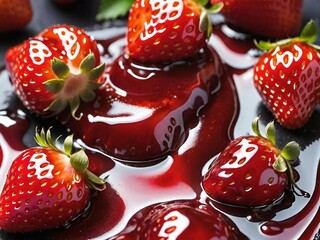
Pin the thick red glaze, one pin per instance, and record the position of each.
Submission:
(150, 106)
(133, 188)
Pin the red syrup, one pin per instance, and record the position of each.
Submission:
(135, 188)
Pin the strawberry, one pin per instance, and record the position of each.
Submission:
(14, 14)
(287, 77)
(252, 171)
(60, 66)
(167, 30)
(46, 187)
(271, 19)
(180, 220)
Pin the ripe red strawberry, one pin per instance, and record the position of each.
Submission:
(167, 30)
(46, 187)
(58, 67)
(14, 14)
(272, 19)
(288, 77)
(251, 171)
(180, 220)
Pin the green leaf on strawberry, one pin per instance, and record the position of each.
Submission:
(109, 9)
(309, 34)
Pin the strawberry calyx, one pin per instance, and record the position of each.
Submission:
(78, 160)
(71, 85)
(289, 153)
(309, 34)
(205, 21)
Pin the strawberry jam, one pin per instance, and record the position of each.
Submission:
(163, 100)
(166, 124)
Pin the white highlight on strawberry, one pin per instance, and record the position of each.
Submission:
(286, 58)
(69, 39)
(42, 166)
(175, 220)
(164, 10)
(38, 52)
(310, 81)
(243, 155)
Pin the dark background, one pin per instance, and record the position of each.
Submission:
(82, 14)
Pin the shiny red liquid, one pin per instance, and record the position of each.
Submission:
(216, 102)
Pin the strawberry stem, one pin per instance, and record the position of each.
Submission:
(293, 182)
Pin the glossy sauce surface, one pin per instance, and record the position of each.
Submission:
(132, 187)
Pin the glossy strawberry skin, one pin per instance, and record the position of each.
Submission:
(271, 19)
(41, 191)
(288, 80)
(180, 220)
(243, 174)
(14, 14)
(164, 30)
(29, 64)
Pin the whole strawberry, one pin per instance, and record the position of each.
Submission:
(251, 171)
(46, 187)
(268, 18)
(287, 77)
(14, 14)
(59, 67)
(166, 30)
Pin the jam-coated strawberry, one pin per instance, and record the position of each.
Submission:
(252, 171)
(167, 30)
(180, 220)
(287, 77)
(46, 187)
(58, 67)
(272, 18)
